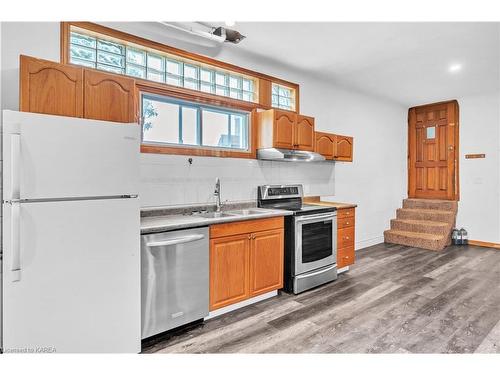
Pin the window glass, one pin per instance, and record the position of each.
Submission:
(169, 121)
(161, 121)
(189, 126)
(216, 129)
(282, 97)
(121, 57)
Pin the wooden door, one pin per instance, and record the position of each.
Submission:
(304, 133)
(229, 270)
(109, 97)
(51, 88)
(325, 145)
(284, 129)
(433, 151)
(343, 148)
(266, 261)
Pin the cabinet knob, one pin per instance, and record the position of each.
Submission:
(347, 223)
(347, 238)
(249, 236)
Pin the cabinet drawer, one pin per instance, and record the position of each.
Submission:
(249, 226)
(345, 237)
(345, 256)
(345, 222)
(345, 212)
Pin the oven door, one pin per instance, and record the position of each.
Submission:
(315, 241)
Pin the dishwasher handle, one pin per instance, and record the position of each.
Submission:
(176, 241)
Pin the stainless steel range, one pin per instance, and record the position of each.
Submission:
(310, 237)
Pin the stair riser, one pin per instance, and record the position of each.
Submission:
(432, 216)
(421, 228)
(445, 206)
(435, 245)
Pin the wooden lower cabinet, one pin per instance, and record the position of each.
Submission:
(266, 261)
(247, 263)
(345, 237)
(229, 258)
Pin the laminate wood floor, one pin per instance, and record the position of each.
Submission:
(395, 299)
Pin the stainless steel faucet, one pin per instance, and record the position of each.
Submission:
(218, 204)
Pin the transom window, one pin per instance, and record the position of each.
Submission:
(98, 51)
(167, 121)
(283, 97)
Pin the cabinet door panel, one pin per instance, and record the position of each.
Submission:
(50, 88)
(109, 97)
(345, 256)
(345, 237)
(304, 131)
(229, 267)
(284, 129)
(325, 145)
(266, 261)
(343, 148)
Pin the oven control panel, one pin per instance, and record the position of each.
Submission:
(272, 192)
(280, 191)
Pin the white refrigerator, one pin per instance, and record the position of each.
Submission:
(71, 231)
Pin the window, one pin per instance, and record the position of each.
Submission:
(283, 97)
(99, 51)
(170, 122)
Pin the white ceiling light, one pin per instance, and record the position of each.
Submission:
(454, 68)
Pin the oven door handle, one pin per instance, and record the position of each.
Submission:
(315, 217)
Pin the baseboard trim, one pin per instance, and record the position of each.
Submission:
(484, 244)
(239, 305)
(369, 242)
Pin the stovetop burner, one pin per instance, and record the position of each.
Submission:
(288, 197)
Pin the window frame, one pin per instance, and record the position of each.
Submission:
(263, 91)
(199, 124)
(263, 81)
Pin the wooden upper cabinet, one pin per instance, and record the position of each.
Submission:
(325, 145)
(304, 133)
(343, 148)
(266, 261)
(109, 97)
(333, 146)
(284, 129)
(51, 88)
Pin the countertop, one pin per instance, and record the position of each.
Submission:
(155, 224)
(338, 205)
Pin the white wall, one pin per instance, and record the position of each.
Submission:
(376, 180)
(479, 206)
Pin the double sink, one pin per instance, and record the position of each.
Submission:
(245, 212)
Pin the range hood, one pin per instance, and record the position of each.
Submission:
(281, 154)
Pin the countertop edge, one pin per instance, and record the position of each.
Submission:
(207, 221)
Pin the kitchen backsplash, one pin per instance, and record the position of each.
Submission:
(170, 179)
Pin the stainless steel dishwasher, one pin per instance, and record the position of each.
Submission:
(174, 279)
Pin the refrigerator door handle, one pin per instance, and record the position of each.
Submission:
(15, 242)
(15, 153)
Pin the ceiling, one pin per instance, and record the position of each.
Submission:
(405, 62)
